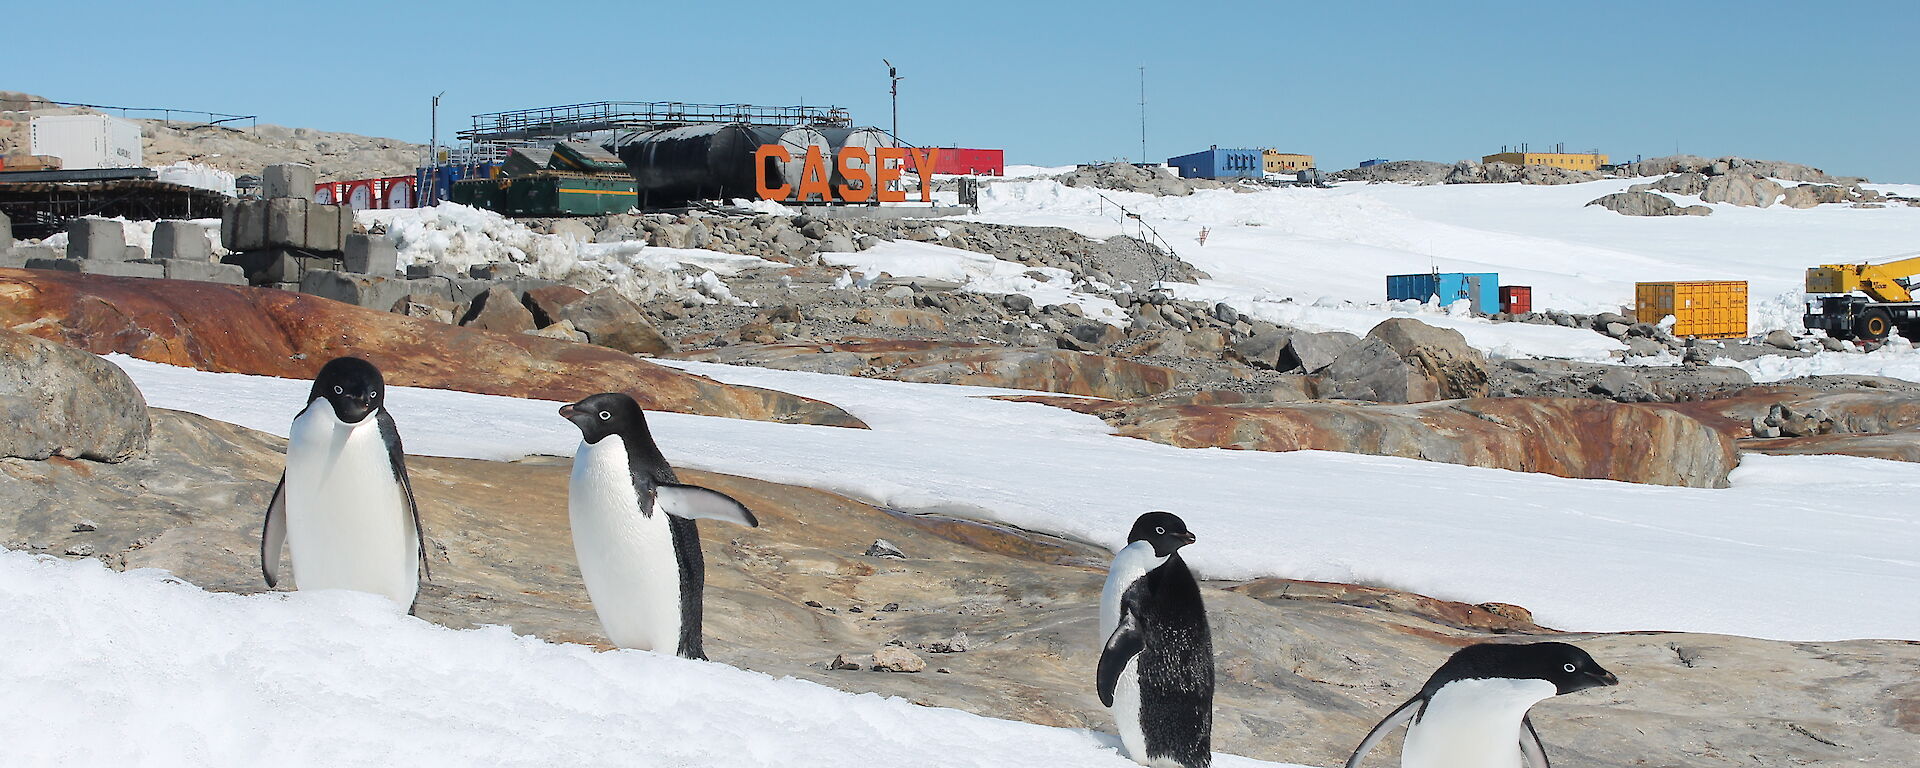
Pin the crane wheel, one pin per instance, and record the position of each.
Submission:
(1873, 324)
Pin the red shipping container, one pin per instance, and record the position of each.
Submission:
(326, 192)
(1515, 299)
(397, 192)
(359, 194)
(956, 161)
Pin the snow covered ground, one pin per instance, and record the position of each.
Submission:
(460, 237)
(140, 669)
(1318, 258)
(1763, 558)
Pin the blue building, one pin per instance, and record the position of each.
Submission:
(1373, 162)
(1480, 288)
(1217, 163)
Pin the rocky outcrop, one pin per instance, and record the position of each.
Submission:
(1810, 195)
(1558, 436)
(60, 401)
(1508, 173)
(1403, 360)
(1306, 668)
(1722, 166)
(1127, 177)
(1647, 204)
(278, 333)
(982, 365)
(1398, 171)
(1743, 189)
(611, 320)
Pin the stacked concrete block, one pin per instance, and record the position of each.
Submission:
(363, 290)
(287, 222)
(203, 271)
(287, 180)
(328, 227)
(92, 239)
(6, 233)
(181, 240)
(243, 227)
(371, 255)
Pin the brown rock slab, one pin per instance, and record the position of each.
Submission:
(545, 302)
(277, 333)
(59, 401)
(498, 310)
(612, 320)
(900, 317)
(893, 658)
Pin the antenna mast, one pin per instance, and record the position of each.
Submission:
(1143, 115)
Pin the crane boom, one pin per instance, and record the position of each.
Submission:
(1884, 282)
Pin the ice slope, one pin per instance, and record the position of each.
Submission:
(1272, 251)
(1763, 558)
(141, 669)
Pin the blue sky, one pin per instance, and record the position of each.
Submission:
(1052, 83)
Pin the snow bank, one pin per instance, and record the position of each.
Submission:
(1584, 555)
(459, 236)
(977, 273)
(105, 668)
(189, 174)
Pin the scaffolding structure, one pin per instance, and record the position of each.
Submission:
(524, 126)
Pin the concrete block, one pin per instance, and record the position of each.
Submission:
(431, 286)
(25, 253)
(287, 181)
(266, 267)
(494, 271)
(287, 222)
(6, 233)
(371, 255)
(63, 265)
(249, 226)
(123, 269)
(229, 215)
(371, 291)
(96, 240)
(288, 287)
(323, 227)
(204, 271)
(181, 240)
(346, 227)
(435, 269)
(13, 258)
(135, 253)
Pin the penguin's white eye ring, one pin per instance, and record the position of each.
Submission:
(604, 415)
(1567, 667)
(374, 395)
(337, 390)
(1159, 530)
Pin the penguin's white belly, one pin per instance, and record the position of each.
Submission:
(348, 525)
(1473, 724)
(1126, 712)
(626, 558)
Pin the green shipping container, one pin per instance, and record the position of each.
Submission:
(556, 195)
(479, 193)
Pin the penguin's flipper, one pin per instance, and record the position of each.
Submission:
(1121, 648)
(692, 502)
(273, 536)
(1397, 718)
(1531, 750)
(397, 459)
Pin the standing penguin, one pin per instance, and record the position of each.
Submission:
(1473, 712)
(344, 505)
(634, 531)
(1156, 667)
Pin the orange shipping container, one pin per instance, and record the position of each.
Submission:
(1702, 309)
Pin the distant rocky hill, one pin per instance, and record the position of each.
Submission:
(237, 149)
(1469, 172)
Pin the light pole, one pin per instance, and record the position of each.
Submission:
(893, 74)
(433, 150)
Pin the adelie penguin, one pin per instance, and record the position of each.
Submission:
(344, 506)
(1156, 663)
(634, 531)
(1473, 712)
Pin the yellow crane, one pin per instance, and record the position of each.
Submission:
(1887, 304)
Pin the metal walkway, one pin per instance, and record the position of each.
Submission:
(524, 124)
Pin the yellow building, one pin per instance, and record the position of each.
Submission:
(1579, 161)
(1284, 162)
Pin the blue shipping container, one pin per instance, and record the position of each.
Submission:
(437, 182)
(1220, 164)
(1372, 163)
(1480, 288)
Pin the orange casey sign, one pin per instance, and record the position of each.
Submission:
(875, 171)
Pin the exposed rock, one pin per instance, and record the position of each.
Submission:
(1690, 183)
(893, 658)
(1401, 171)
(1264, 350)
(1127, 177)
(985, 365)
(900, 317)
(498, 310)
(1657, 383)
(1810, 195)
(884, 548)
(60, 401)
(612, 320)
(959, 643)
(1726, 165)
(545, 302)
(1639, 204)
(854, 663)
(291, 335)
(1313, 352)
(562, 330)
(427, 306)
(1558, 436)
(1742, 189)
(1403, 360)
(1782, 339)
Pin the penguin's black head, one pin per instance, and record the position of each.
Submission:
(351, 385)
(609, 413)
(1567, 667)
(1164, 530)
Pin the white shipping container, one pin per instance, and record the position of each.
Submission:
(86, 141)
